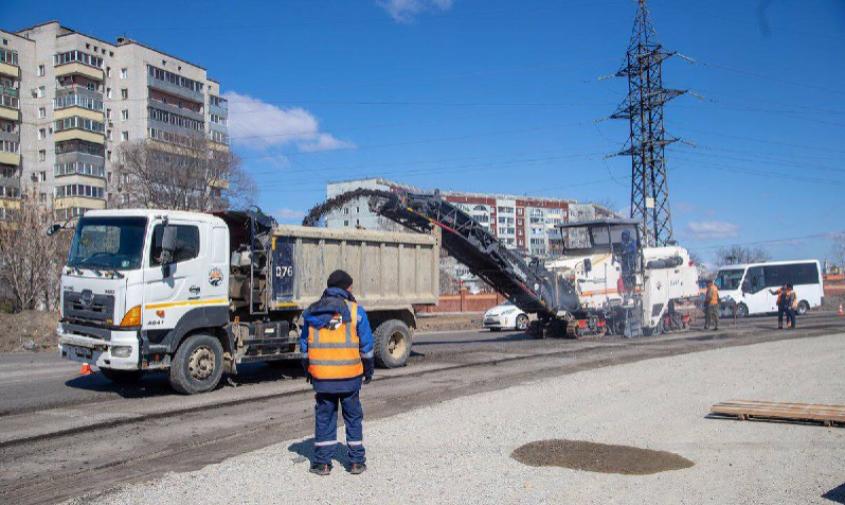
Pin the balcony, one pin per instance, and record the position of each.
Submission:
(10, 70)
(76, 110)
(79, 134)
(13, 159)
(175, 89)
(179, 111)
(76, 68)
(10, 136)
(84, 202)
(222, 111)
(81, 164)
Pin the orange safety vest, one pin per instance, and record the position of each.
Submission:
(333, 353)
(713, 295)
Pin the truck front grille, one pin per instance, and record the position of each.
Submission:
(85, 306)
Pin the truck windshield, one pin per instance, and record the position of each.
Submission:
(729, 279)
(108, 242)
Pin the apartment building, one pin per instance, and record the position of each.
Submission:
(525, 223)
(69, 100)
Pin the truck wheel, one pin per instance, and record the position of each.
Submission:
(522, 322)
(197, 365)
(392, 344)
(742, 310)
(122, 377)
(803, 307)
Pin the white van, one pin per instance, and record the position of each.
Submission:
(751, 285)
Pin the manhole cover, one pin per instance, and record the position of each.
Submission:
(593, 457)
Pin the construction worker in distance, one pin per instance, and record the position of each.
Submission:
(337, 353)
(791, 304)
(711, 305)
(781, 304)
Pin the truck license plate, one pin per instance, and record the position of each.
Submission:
(77, 353)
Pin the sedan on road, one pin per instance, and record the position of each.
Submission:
(505, 317)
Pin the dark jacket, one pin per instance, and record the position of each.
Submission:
(319, 315)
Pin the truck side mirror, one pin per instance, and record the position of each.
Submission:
(168, 244)
(588, 265)
(53, 229)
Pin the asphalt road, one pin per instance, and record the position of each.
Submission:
(62, 435)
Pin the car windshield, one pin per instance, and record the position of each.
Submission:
(729, 279)
(108, 242)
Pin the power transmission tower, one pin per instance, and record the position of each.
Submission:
(643, 108)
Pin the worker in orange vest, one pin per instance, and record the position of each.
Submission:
(791, 304)
(782, 304)
(711, 305)
(337, 354)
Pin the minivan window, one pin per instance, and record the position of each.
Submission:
(756, 279)
(729, 279)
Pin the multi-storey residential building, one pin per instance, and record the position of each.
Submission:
(70, 100)
(525, 223)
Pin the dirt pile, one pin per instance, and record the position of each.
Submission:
(603, 458)
(29, 330)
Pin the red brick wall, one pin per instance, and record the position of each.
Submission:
(464, 302)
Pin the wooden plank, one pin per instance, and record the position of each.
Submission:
(759, 409)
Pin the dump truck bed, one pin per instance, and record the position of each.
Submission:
(391, 270)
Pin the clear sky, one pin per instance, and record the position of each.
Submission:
(509, 96)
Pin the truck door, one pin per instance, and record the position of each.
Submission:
(171, 290)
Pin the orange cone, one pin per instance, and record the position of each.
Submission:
(841, 312)
(85, 369)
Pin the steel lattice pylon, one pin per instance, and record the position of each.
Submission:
(643, 108)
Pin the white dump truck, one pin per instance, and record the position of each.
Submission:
(200, 294)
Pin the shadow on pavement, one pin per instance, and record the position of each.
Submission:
(508, 337)
(305, 450)
(836, 495)
(156, 383)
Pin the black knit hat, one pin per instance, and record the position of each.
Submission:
(339, 279)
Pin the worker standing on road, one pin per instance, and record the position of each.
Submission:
(781, 293)
(791, 303)
(337, 352)
(711, 306)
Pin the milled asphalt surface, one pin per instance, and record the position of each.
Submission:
(458, 451)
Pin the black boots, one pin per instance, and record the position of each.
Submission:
(321, 469)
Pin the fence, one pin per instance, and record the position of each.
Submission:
(464, 302)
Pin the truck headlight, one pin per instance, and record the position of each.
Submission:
(132, 317)
(121, 351)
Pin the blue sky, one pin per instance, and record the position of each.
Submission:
(507, 96)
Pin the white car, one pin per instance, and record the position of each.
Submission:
(505, 317)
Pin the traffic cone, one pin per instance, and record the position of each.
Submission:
(85, 369)
(841, 312)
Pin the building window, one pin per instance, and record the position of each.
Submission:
(42, 112)
(178, 80)
(42, 134)
(80, 123)
(74, 100)
(124, 136)
(124, 73)
(124, 94)
(108, 92)
(124, 114)
(42, 176)
(78, 56)
(108, 113)
(108, 71)
(9, 57)
(42, 197)
(42, 154)
(41, 70)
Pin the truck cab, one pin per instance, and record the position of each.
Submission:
(138, 280)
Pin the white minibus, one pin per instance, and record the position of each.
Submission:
(751, 285)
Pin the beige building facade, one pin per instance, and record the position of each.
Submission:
(68, 101)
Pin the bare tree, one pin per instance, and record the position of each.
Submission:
(838, 249)
(191, 175)
(737, 254)
(30, 261)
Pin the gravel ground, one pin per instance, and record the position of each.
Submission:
(459, 451)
